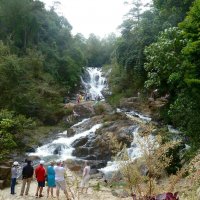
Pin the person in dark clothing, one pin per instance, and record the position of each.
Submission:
(27, 176)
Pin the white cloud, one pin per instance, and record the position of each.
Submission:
(100, 17)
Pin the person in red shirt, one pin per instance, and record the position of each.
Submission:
(40, 174)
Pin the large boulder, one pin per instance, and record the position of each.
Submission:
(70, 132)
(77, 165)
(5, 174)
(81, 152)
(100, 146)
(84, 110)
(57, 150)
(80, 142)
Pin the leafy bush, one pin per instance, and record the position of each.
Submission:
(154, 159)
(11, 131)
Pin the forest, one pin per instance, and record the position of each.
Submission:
(159, 49)
(41, 62)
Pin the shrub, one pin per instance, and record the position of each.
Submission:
(99, 109)
(155, 159)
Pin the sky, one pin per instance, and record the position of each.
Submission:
(100, 17)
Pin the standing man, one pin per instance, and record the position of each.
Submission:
(40, 174)
(60, 179)
(27, 176)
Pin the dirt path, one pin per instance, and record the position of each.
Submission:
(103, 193)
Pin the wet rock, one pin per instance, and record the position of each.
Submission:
(80, 152)
(96, 78)
(70, 132)
(97, 164)
(99, 146)
(57, 150)
(32, 158)
(80, 142)
(30, 150)
(86, 76)
(91, 157)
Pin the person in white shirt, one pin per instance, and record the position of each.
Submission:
(86, 177)
(60, 180)
(14, 176)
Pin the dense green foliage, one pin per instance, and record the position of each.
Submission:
(41, 62)
(159, 49)
(11, 131)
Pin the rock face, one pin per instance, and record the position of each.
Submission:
(135, 103)
(5, 174)
(81, 142)
(70, 132)
(84, 110)
(77, 165)
(101, 145)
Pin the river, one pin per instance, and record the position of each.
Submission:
(63, 146)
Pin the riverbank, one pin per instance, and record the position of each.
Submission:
(96, 191)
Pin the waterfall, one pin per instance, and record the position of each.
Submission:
(63, 145)
(134, 151)
(94, 83)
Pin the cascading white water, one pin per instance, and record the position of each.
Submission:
(63, 144)
(134, 151)
(46, 152)
(95, 84)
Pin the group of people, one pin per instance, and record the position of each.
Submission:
(53, 175)
(79, 98)
(87, 97)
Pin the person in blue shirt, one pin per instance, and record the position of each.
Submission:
(50, 178)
